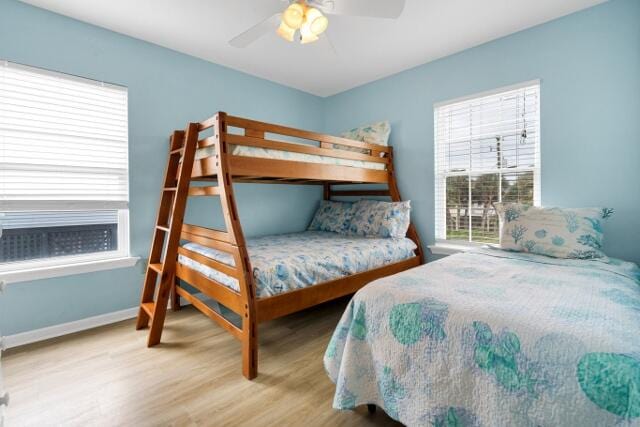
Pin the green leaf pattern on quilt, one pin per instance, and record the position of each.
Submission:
(412, 322)
(611, 381)
(455, 417)
(497, 355)
(359, 325)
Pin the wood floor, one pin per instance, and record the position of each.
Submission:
(107, 377)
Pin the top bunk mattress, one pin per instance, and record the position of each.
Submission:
(266, 153)
(286, 262)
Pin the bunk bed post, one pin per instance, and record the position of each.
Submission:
(249, 336)
(326, 191)
(175, 298)
(394, 193)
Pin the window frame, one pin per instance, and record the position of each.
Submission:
(444, 246)
(42, 268)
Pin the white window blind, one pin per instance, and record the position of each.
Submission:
(63, 141)
(487, 150)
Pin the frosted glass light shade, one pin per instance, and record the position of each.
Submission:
(293, 16)
(306, 35)
(317, 22)
(286, 32)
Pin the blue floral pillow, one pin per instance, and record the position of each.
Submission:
(332, 216)
(381, 219)
(556, 232)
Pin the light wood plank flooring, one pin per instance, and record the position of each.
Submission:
(107, 377)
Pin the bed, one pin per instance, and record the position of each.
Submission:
(495, 338)
(283, 263)
(270, 277)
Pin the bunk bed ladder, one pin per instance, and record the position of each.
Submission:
(161, 269)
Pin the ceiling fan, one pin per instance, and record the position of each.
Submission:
(306, 20)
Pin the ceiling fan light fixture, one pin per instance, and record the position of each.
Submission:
(305, 20)
(286, 32)
(299, 16)
(293, 16)
(318, 23)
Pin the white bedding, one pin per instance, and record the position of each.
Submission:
(495, 338)
(287, 262)
(267, 153)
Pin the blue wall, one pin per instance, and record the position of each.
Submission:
(166, 90)
(589, 64)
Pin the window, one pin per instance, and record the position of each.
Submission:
(487, 150)
(64, 186)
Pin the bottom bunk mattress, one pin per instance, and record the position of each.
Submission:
(493, 338)
(287, 262)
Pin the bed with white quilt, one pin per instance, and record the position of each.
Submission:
(495, 338)
(286, 262)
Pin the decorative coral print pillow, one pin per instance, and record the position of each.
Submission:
(332, 216)
(375, 133)
(556, 232)
(381, 219)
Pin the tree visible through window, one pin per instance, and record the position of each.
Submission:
(486, 151)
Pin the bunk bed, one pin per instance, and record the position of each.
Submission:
(226, 150)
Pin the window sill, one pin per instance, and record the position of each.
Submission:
(47, 272)
(450, 248)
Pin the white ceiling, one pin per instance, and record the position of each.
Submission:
(364, 49)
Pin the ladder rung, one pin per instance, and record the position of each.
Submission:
(163, 228)
(148, 307)
(169, 188)
(204, 191)
(156, 267)
(179, 150)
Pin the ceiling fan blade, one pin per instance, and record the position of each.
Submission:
(254, 33)
(389, 9)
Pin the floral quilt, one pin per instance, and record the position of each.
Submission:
(286, 262)
(494, 338)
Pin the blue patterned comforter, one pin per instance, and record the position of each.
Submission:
(492, 338)
(286, 262)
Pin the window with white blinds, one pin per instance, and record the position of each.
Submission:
(63, 165)
(63, 141)
(487, 150)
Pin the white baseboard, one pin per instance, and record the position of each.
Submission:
(49, 332)
(55, 331)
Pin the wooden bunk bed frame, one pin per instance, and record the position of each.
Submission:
(164, 272)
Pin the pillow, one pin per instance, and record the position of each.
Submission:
(556, 232)
(381, 219)
(332, 216)
(376, 133)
